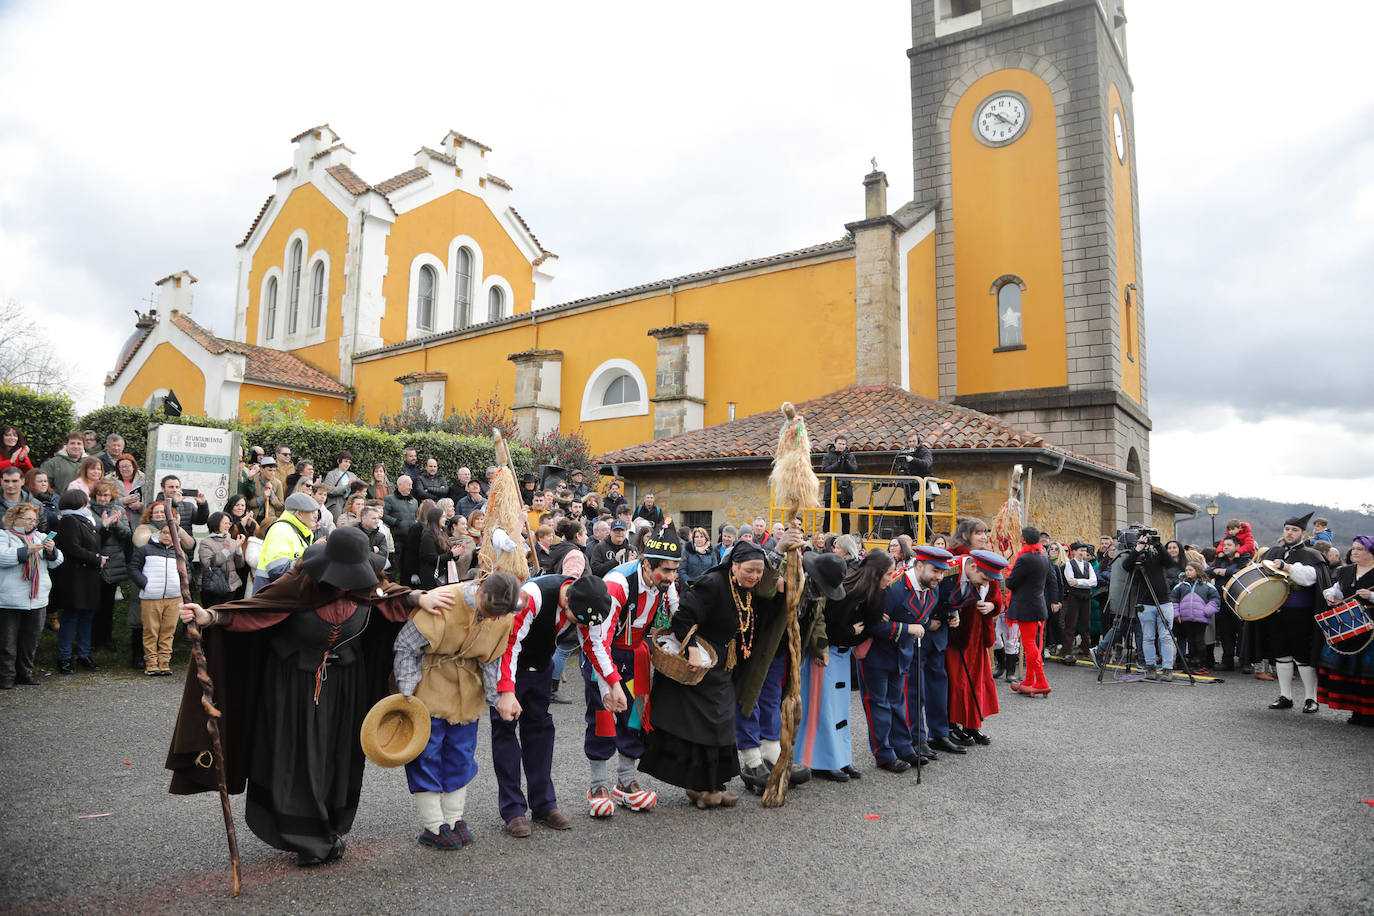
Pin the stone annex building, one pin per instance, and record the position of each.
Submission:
(999, 310)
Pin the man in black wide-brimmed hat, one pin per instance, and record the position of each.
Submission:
(1289, 636)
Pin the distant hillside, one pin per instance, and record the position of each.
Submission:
(1266, 517)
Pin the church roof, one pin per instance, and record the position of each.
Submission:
(272, 367)
(396, 182)
(875, 418)
(262, 211)
(349, 179)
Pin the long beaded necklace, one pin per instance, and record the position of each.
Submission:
(745, 610)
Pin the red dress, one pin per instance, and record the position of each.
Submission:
(972, 690)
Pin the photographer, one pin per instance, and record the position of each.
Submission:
(1146, 562)
(914, 461)
(840, 460)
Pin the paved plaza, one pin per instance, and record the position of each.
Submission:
(1134, 798)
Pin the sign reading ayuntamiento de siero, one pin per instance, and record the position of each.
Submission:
(205, 459)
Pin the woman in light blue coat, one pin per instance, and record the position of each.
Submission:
(26, 560)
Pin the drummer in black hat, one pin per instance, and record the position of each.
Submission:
(313, 660)
(1289, 636)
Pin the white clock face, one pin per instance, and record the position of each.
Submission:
(1002, 118)
(1119, 129)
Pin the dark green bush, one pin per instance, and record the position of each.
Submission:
(44, 419)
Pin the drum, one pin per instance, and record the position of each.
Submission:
(1257, 591)
(1343, 624)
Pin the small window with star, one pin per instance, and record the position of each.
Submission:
(1009, 315)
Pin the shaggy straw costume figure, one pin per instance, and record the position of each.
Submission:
(795, 486)
(505, 511)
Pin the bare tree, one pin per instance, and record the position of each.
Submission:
(28, 357)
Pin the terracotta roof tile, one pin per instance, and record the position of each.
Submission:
(503, 183)
(349, 179)
(876, 418)
(264, 364)
(284, 172)
(435, 154)
(308, 131)
(463, 139)
(544, 252)
(325, 152)
(257, 219)
(396, 182)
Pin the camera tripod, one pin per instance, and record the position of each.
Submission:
(1124, 624)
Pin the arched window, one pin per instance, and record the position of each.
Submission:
(1008, 291)
(496, 303)
(622, 389)
(424, 299)
(294, 292)
(269, 309)
(462, 289)
(317, 294)
(616, 388)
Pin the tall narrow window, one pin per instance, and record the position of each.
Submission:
(424, 299)
(269, 309)
(317, 294)
(293, 303)
(1130, 321)
(1009, 315)
(496, 304)
(462, 289)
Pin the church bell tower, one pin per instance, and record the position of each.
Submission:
(1022, 130)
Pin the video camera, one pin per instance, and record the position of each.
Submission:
(1130, 538)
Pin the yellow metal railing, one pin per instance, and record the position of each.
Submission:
(883, 506)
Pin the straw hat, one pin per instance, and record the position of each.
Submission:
(395, 731)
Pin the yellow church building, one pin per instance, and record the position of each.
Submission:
(1008, 284)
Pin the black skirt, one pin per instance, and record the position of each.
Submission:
(679, 762)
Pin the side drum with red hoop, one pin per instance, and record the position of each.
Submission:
(1346, 626)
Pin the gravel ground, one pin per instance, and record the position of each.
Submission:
(1117, 797)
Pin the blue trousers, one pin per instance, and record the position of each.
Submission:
(765, 722)
(600, 744)
(934, 695)
(884, 696)
(76, 625)
(527, 740)
(448, 762)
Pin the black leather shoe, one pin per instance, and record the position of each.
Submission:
(957, 733)
(1281, 703)
(1310, 706)
(798, 775)
(961, 740)
(833, 775)
(925, 751)
(88, 663)
(978, 737)
(852, 773)
(755, 778)
(945, 745)
(915, 759)
(895, 766)
(66, 668)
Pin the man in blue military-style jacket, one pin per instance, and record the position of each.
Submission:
(884, 670)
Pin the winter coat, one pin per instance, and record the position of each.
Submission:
(433, 487)
(14, 588)
(1196, 601)
(48, 513)
(399, 513)
(1026, 581)
(115, 543)
(1150, 579)
(337, 481)
(154, 570)
(1245, 540)
(23, 464)
(837, 462)
(222, 551)
(62, 469)
(77, 584)
(695, 562)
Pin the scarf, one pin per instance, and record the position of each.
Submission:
(31, 564)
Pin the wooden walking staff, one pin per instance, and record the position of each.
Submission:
(795, 486)
(207, 694)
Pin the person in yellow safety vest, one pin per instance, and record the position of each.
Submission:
(287, 539)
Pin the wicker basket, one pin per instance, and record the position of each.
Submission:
(675, 665)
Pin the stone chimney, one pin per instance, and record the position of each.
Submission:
(537, 406)
(877, 295)
(310, 144)
(680, 382)
(174, 293)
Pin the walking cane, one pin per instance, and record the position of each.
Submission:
(207, 695)
(920, 699)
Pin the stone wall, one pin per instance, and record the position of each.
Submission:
(1164, 520)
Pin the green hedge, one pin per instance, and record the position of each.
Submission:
(133, 424)
(44, 419)
(320, 441)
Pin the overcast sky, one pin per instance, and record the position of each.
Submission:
(645, 141)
